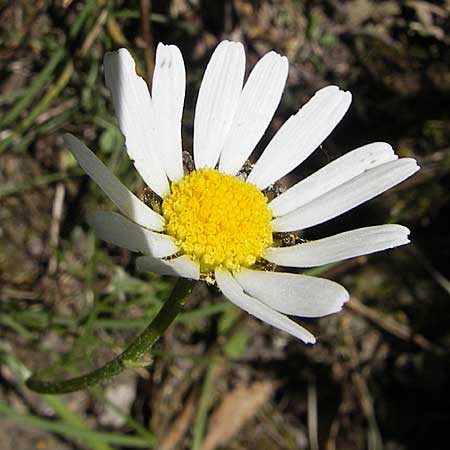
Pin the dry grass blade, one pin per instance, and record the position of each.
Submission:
(55, 226)
(180, 426)
(236, 409)
(313, 415)
(362, 391)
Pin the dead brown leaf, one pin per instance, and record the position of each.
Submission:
(180, 426)
(236, 408)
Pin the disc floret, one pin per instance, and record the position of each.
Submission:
(218, 219)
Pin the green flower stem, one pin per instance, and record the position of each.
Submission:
(131, 355)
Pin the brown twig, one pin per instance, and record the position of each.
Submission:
(435, 274)
(388, 324)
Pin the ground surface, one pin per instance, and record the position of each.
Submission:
(379, 374)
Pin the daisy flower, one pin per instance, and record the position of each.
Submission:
(218, 218)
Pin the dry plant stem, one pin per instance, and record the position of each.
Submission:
(146, 11)
(313, 430)
(131, 355)
(390, 325)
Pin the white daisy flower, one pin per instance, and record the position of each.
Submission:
(214, 222)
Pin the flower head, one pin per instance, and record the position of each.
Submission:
(217, 222)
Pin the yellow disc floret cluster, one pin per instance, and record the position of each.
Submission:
(218, 219)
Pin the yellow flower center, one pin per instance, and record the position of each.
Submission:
(218, 219)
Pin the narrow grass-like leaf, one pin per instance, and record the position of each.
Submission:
(70, 432)
(39, 181)
(95, 440)
(81, 17)
(44, 77)
(203, 408)
(46, 101)
(40, 319)
(8, 320)
(316, 271)
(74, 420)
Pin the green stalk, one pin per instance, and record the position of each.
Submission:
(131, 355)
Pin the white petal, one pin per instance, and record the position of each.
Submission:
(134, 112)
(300, 135)
(298, 295)
(257, 104)
(126, 201)
(362, 241)
(217, 102)
(168, 89)
(115, 229)
(233, 291)
(347, 196)
(332, 175)
(183, 266)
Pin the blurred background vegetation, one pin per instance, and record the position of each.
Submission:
(378, 376)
